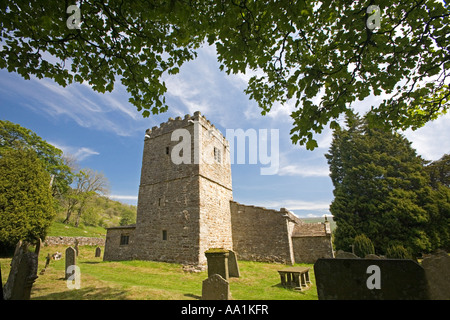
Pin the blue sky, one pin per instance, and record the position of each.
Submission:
(106, 133)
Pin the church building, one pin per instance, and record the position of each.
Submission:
(185, 206)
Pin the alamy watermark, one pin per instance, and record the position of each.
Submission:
(74, 20)
(74, 277)
(259, 142)
(374, 20)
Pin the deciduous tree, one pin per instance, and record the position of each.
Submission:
(323, 55)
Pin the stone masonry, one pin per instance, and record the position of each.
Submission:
(186, 207)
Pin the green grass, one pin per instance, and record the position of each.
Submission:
(68, 230)
(140, 280)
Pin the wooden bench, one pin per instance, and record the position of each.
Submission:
(297, 277)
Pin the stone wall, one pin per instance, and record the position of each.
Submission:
(114, 250)
(69, 241)
(309, 249)
(312, 241)
(261, 234)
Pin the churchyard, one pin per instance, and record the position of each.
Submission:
(141, 280)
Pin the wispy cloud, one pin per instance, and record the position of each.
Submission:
(304, 170)
(109, 112)
(84, 153)
(79, 153)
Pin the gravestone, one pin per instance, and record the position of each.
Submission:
(370, 279)
(437, 273)
(1, 284)
(23, 273)
(98, 252)
(345, 255)
(233, 268)
(76, 246)
(216, 288)
(217, 262)
(71, 257)
(47, 262)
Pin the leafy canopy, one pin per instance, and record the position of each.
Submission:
(321, 54)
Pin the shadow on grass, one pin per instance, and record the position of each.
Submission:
(88, 293)
(190, 295)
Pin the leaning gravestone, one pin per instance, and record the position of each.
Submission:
(71, 257)
(216, 288)
(233, 268)
(370, 279)
(23, 273)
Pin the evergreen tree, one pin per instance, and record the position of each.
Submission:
(380, 189)
(26, 202)
(363, 246)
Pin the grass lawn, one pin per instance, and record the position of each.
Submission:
(68, 230)
(140, 280)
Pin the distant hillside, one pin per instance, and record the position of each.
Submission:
(100, 213)
(320, 219)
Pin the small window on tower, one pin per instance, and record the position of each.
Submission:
(217, 155)
(167, 150)
(164, 234)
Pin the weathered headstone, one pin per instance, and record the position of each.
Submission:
(76, 246)
(217, 262)
(23, 273)
(437, 273)
(216, 288)
(70, 261)
(98, 252)
(47, 262)
(370, 279)
(233, 268)
(1, 285)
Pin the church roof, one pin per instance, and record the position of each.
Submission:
(309, 230)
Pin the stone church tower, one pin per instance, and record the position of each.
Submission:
(184, 195)
(186, 207)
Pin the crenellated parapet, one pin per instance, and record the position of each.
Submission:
(188, 120)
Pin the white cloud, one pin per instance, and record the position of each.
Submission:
(80, 153)
(431, 141)
(83, 153)
(123, 197)
(303, 170)
(294, 204)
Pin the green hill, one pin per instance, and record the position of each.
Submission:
(320, 219)
(100, 213)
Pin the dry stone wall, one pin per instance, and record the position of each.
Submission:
(69, 241)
